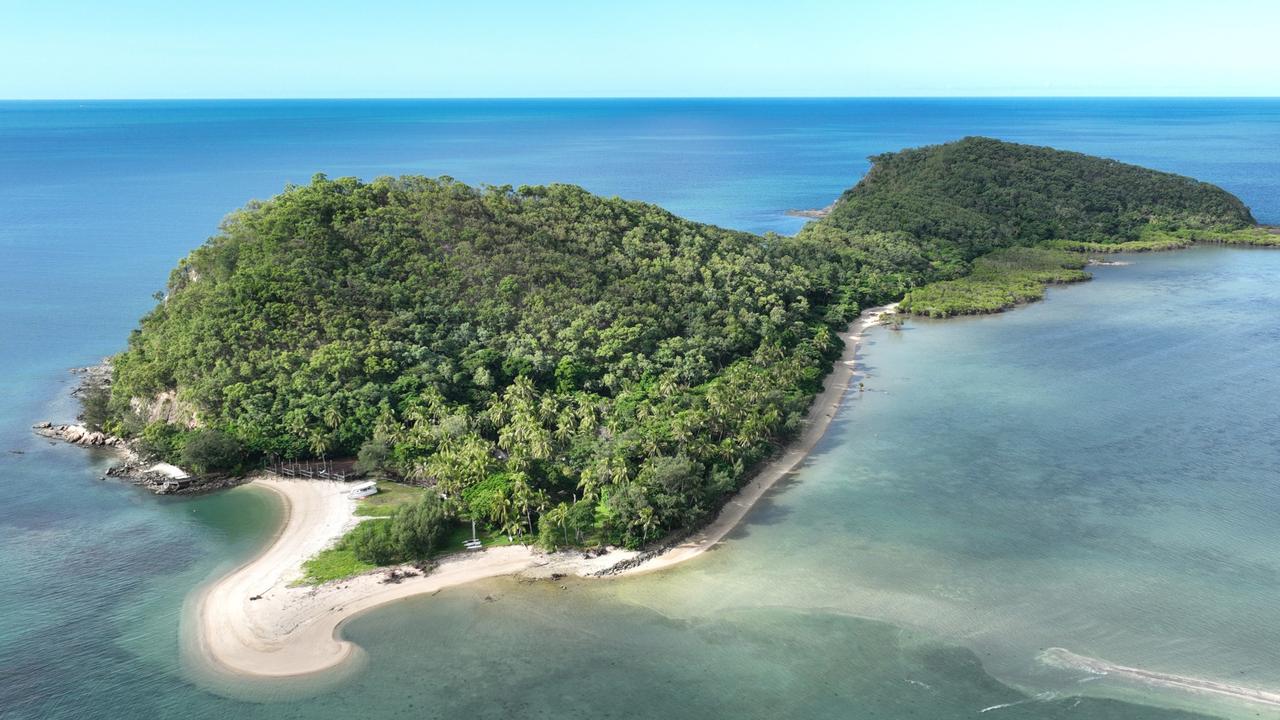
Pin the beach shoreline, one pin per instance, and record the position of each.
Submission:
(822, 411)
(254, 621)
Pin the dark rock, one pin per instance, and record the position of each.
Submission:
(395, 576)
(638, 560)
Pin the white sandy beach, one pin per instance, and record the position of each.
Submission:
(252, 621)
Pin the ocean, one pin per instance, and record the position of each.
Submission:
(1097, 472)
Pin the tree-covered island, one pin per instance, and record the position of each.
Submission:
(586, 370)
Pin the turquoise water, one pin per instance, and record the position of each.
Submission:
(1096, 472)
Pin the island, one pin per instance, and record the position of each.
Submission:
(570, 383)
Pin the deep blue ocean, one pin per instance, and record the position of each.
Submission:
(99, 200)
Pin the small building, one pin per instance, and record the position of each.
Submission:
(174, 484)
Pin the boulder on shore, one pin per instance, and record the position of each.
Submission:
(77, 435)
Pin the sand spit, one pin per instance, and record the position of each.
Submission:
(1060, 657)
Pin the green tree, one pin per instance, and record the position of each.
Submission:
(95, 406)
(161, 440)
(373, 456)
(418, 529)
(373, 542)
(212, 450)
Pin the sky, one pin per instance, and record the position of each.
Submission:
(77, 49)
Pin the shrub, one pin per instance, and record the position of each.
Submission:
(212, 451)
(372, 542)
(94, 411)
(418, 529)
(160, 440)
(373, 456)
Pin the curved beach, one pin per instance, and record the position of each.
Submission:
(254, 621)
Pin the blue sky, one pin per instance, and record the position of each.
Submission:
(544, 48)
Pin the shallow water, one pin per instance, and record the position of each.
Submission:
(1096, 472)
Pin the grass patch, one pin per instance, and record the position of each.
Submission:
(998, 280)
(462, 533)
(340, 562)
(336, 563)
(391, 495)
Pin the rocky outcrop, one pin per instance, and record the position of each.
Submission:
(159, 478)
(812, 214)
(139, 473)
(78, 435)
(636, 561)
(133, 469)
(163, 407)
(143, 474)
(168, 408)
(92, 377)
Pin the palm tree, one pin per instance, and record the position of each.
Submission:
(564, 425)
(822, 339)
(681, 429)
(475, 458)
(501, 511)
(619, 471)
(558, 515)
(296, 422)
(589, 483)
(648, 522)
(668, 385)
(539, 502)
(421, 469)
(318, 442)
(509, 516)
(522, 497)
(588, 414)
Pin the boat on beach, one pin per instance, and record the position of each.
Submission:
(363, 490)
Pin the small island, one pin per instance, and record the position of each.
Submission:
(580, 384)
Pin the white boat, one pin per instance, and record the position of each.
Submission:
(363, 490)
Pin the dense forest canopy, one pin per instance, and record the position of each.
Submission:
(531, 351)
(940, 210)
(581, 368)
(967, 198)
